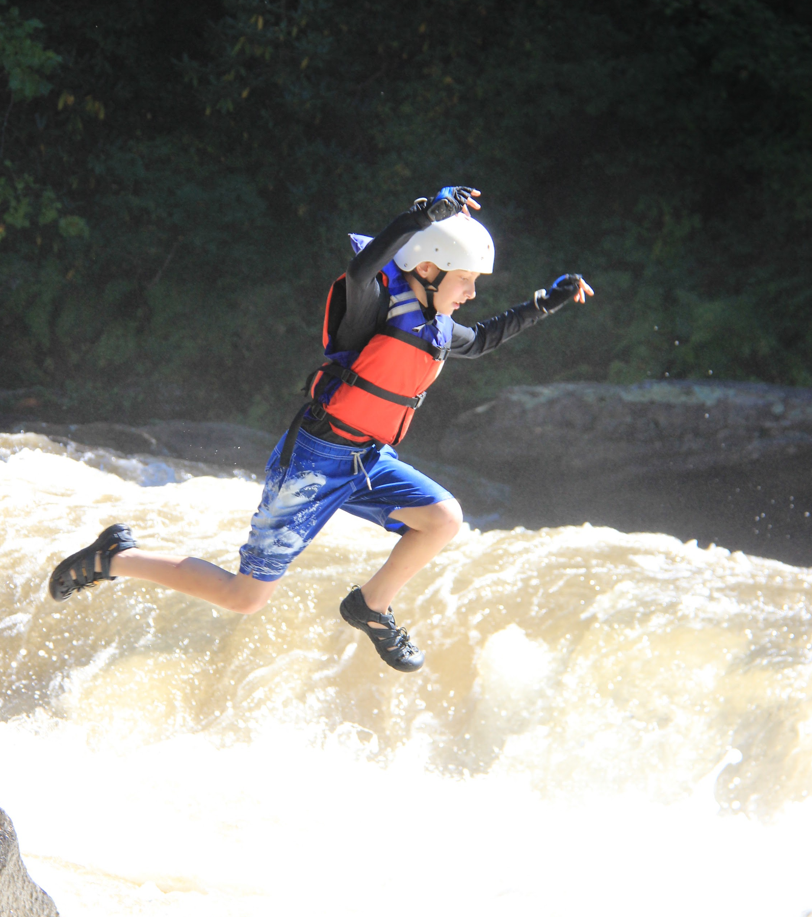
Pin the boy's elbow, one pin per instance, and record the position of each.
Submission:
(355, 271)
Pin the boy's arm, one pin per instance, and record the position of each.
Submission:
(488, 335)
(364, 267)
(364, 291)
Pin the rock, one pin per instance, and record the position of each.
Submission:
(20, 896)
(226, 446)
(722, 463)
(115, 436)
(576, 429)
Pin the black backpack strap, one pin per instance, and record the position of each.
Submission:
(292, 436)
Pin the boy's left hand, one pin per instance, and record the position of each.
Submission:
(584, 290)
(566, 287)
(450, 200)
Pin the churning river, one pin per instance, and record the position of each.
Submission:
(606, 723)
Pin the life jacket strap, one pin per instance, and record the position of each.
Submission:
(439, 353)
(318, 411)
(352, 378)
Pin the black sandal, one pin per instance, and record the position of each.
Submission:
(78, 571)
(391, 642)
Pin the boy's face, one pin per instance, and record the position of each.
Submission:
(455, 289)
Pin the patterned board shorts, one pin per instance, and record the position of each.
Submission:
(323, 477)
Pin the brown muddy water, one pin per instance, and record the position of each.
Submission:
(606, 723)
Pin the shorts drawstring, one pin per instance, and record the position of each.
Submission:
(358, 467)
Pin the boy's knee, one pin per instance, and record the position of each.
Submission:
(246, 606)
(449, 516)
(443, 518)
(250, 595)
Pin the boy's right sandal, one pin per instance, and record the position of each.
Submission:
(78, 571)
(391, 642)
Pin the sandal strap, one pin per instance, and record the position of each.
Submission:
(391, 642)
(397, 638)
(109, 543)
(78, 571)
(83, 567)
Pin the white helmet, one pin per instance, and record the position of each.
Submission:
(459, 243)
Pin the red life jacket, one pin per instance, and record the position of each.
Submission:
(374, 394)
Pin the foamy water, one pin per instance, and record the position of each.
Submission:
(605, 723)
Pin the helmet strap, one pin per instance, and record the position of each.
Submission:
(431, 287)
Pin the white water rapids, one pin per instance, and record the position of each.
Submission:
(606, 723)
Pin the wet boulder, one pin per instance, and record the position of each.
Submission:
(726, 463)
(20, 896)
(628, 431)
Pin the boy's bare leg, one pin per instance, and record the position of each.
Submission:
(195, 577)
(430, 530)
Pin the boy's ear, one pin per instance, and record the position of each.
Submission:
(423, 269)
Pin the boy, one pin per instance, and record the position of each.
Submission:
(388, 330)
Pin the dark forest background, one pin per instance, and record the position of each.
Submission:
(177, 181)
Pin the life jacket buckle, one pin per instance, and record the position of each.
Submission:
(420, 399)
(349, 377)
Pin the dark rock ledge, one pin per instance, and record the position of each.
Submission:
(728, 463)
(625, 432)
(223, 446)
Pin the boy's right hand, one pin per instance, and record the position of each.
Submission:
(451, 200)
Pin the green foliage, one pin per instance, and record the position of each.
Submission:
(178, 181)
(26, 203)
(26, 62)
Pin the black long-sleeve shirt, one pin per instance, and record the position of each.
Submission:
(367, 296)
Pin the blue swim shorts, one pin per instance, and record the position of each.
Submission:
(323, 477)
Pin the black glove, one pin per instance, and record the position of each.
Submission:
(563, 290)
(445, 203)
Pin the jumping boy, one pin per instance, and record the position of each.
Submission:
(388, 330)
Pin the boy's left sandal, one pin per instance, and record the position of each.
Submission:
(78, 571)
(391, 642)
